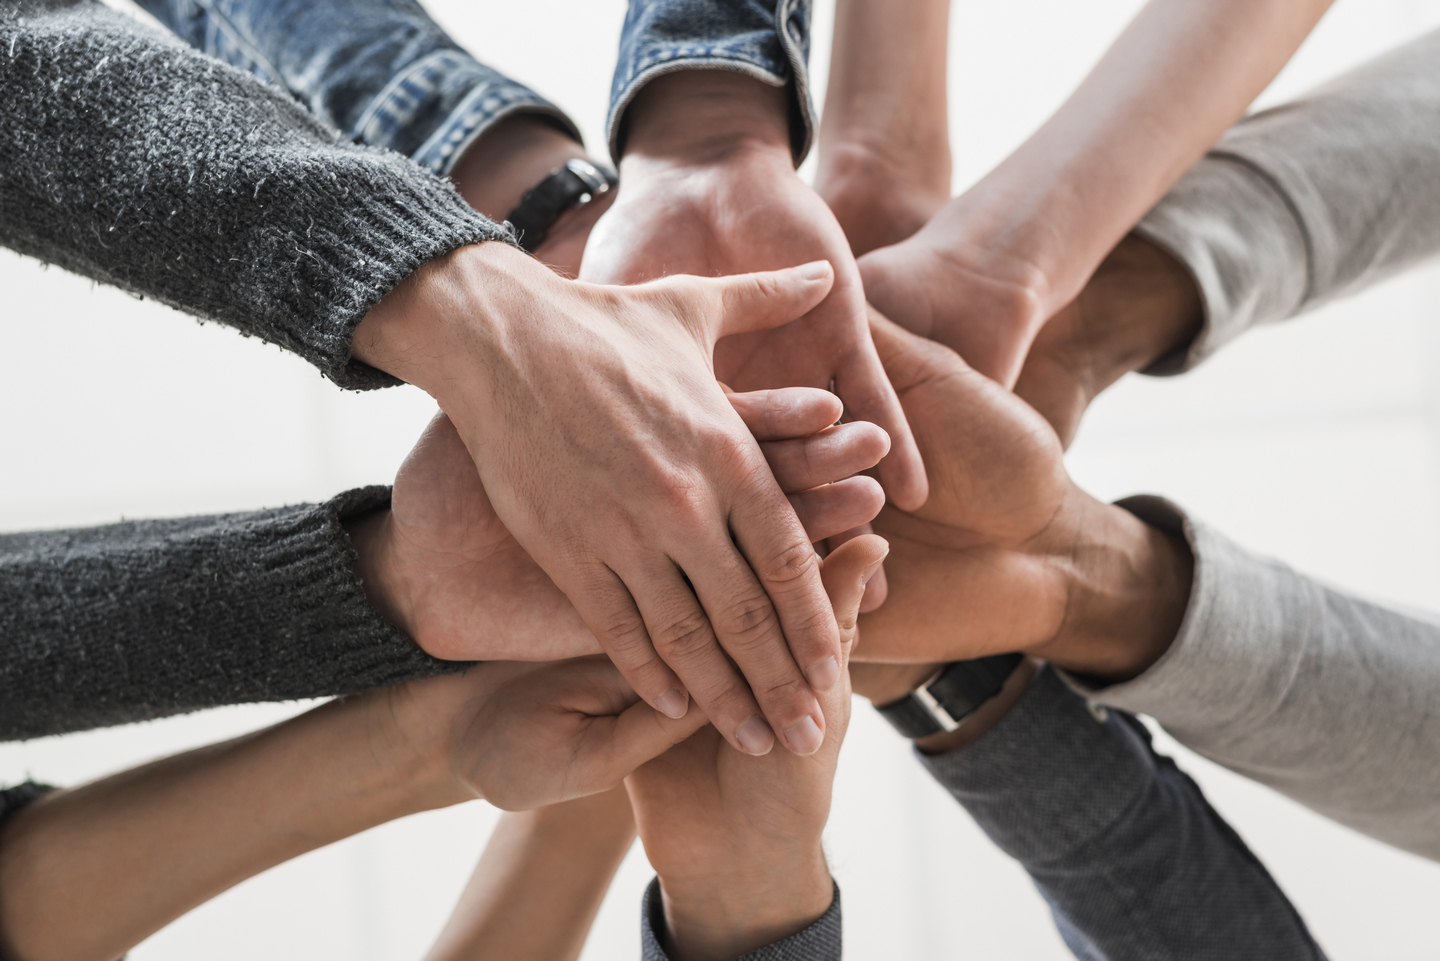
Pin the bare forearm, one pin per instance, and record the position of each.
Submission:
(540, 882)
(1178, 76)
(89, 873)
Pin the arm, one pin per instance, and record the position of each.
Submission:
(736, 841)
(540, 882)
(884, 137)
(1021, 243)
(1132, 859)
(1294, 207)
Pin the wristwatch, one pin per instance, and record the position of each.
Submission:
(950, 696)
(574, 184)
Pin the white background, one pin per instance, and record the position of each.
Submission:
(1315, 442)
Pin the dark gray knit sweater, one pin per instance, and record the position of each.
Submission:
(129, 158)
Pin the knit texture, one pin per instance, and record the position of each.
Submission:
(821, 941)
(146, 619)
(136, 161)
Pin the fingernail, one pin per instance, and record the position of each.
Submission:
(823, 675)
(816, 270)
(804, 736)
(673, 704)
(755, 737)
(870, 572)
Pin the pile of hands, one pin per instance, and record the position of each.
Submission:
(668, 504)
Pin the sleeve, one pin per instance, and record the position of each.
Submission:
(1309, 201)
(1134, 863)
(129, 158)
(145, 619)
(821, 941)
(1328, 699)
(380, 71)
(765, 39)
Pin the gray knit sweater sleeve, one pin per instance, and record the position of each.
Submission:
(1311, 200)
(144, 619)
(134, 160)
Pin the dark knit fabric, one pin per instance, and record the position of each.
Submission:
(146, 619)
(134, 160)
(1134, 862)
(15, 798)
(821, 941)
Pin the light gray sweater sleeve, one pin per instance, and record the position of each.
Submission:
(134, 160)
(1328, 699)
(1310, 200)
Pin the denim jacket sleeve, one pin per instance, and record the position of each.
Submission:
(380, 71)
(765, 39)
(1132, 859)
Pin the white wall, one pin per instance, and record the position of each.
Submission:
(1315, 442)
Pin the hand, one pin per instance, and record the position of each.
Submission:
(1008, 554)
(736, 840)
(709, 187)
(442, 567)
(609, 451)
(1140, 305)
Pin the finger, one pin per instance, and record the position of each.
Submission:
(789, 412)
(621, 631)
(832, 510)
(877, 587)
(832, 454)
(845, 574)
(681, 632)
(868, 395)
(641, 734)
(759, 301)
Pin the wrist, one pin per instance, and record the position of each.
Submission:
(508, 159)
(880, 193)
(703, 116)
(717, 916)
(1129, 587)
(371, 537)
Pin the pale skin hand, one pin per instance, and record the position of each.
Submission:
(985, 274)
(540, 882)
(1008, 554)
(86, 874)
(441, 566)
(884, 140)
(736, 840)
(708, 187)
(609, 451)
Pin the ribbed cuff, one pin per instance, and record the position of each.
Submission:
(821, 941)
(1229, 224)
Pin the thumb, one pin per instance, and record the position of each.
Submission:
(640, 734)
(844, 573)
(759, 301)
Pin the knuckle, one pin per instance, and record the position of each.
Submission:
(748, 619)
(685, 637)
(791, 564)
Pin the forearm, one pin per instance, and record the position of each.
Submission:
(89, 873)
(1296, 206)
(1178, 76)
(884, 137)
(540, 882)
(285, 233)
(145, 619)
(1130, 857)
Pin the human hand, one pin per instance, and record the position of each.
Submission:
(736, 840)
(708, 187)
(1139, 306)
(609, 451)
(1008, 554)
(442, 567)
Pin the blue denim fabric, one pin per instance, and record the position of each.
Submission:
(1132, 859)
(380, 71)
(765, 39)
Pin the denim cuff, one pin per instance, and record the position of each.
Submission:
(765, 39)
(436, 107)
(821, 941)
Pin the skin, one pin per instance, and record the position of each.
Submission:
(1008, 553)
(568, 851)
(736, 841)
(985, 273)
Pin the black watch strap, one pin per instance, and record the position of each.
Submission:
(576, 182)
(953, 694)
